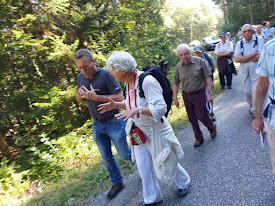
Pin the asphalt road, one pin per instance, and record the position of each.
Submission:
(231, 170)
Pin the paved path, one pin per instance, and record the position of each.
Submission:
(230, 170)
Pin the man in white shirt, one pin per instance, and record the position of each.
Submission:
(223, 52)
(248, 51)
(266, 84)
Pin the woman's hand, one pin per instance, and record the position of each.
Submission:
(105, 107)
(127, 114)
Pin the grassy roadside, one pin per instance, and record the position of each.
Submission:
(82, 182)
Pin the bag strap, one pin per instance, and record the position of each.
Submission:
(208, 59)
(265, 113)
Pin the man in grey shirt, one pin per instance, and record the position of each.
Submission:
(96, 86)
(193, 75)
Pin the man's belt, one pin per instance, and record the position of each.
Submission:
(106, 119)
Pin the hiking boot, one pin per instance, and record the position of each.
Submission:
(115, 189)
(212, 117)
(182, 192)
(198, 143)
(214, 133)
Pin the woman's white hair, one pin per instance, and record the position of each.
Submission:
(121, 61)
(183, 46)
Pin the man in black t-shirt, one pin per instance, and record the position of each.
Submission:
(96, 86)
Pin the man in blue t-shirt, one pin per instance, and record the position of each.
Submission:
(269, 31)
(96, 86)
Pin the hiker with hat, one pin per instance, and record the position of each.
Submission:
(225, 64)
(210, 63)
(247, 53)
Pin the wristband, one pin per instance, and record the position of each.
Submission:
(140, 110)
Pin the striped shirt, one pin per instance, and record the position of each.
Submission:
(266, 68)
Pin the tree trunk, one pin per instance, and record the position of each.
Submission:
(227, 11)
(4, 148)
(251, 12)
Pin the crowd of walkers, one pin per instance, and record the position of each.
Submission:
(154, 146)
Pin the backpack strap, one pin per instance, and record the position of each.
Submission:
(242, 46)
(140, 81)
(256, 42)
(208, 59)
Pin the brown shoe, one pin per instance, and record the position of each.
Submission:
(198, 143)
(214, 133)
(115, 189)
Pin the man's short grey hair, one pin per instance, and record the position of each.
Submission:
(259, 25)
(183, 46)
(121, 61)
(83, 52)
(247, 25)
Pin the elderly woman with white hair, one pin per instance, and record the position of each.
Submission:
(156, 149)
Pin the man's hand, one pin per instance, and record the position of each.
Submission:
(256, 57)
(209, 97)
(176, 102)
(78, 96)
(86, 94)
(105, 107)
(258, 125)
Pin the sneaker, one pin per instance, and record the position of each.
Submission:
(229, 87)
(182, 192)
(222, 87)
(212, 117)
(213, 134)
(115, 189)
(198, 143)
(155, 203)
(252, 114)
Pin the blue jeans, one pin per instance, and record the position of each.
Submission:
(228, 79)
(103, 133)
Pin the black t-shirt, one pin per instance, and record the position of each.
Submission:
(104, 84)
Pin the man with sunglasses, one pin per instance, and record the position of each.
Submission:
(248, 51)
(96, 86)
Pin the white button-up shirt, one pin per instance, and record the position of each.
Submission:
(266, 68)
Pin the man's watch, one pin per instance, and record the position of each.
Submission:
(209, 92)
(140, 110)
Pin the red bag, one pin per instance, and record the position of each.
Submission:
(137, 136)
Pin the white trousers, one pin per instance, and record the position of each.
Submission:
(271, 145)
(151, 189)
(249, 80)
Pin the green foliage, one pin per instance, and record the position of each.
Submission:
(240, 12)
(229, 27)
(188, 21)
(12, 184)
(39, 117)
